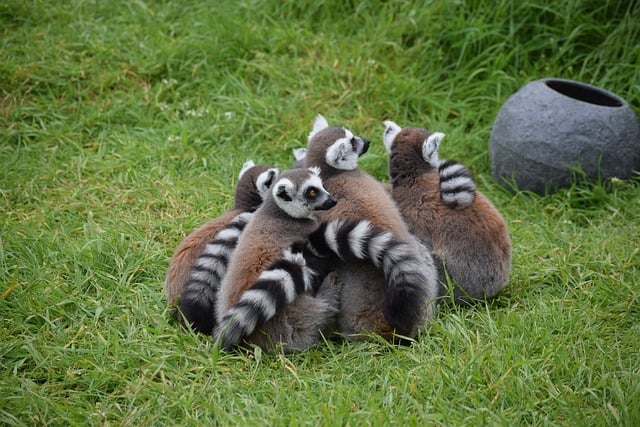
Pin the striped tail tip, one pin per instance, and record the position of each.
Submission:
(457, 187)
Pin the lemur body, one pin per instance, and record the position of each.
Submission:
(286, 217)
(192, 280)
(439, 202)
(372, 301)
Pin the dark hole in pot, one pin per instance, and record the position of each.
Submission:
(584, 93)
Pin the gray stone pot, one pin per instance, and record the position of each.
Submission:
(553, 125)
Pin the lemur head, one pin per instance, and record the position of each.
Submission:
(253, 184)
(299, 192)
(410, 148)
(334, 146)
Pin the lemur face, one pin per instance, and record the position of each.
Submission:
(344, 152)
(299, 192)
(338, 147)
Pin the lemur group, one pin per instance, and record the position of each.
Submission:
(323, 249)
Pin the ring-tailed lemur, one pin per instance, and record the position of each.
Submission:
(442, 207)
(192, 279)
(287, 217)
(399, 298)
(338, 241)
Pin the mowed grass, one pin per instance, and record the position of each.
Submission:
(123, 126)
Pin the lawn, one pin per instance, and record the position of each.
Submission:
(123, 125)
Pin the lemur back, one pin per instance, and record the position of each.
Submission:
(189, 284)
(439, 202)
(286, 218)
(403, 298)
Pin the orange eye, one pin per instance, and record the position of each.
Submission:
(312, 192)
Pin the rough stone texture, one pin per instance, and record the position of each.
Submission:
(552, 125)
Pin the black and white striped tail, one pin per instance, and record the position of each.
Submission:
(405, 271)
(457, 187)
(275, 288)
(198, 299)
(408, 274)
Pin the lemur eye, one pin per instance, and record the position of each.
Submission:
(354, 144)
(312, 192)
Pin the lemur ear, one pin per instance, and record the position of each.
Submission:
(318, 125)
(390, 131)
(265, 179)
(299, 153)
(247, 165)
(283, 190)
(430, 148)
(315, 170)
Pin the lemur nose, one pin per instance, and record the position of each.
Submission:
(365, 148)
(329, 203)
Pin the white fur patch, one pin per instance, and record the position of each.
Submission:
(330, 235)
(430, 148)
(211, 264)
(215, 249)
(451, 170)
(295, 209)
(284, 279)
(308, 275)
(314, 180)
(319, 124)
(242, 218)
(228, 234)
(356, 238)
(454, 183)
(463, 199)
(262, 299)
(341, 155)
(377, 245)
(299, 153)
(294, 257)
(390, 132)
(315, 170)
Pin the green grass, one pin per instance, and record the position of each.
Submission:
(124, 124)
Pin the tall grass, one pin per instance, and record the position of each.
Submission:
(124, 124)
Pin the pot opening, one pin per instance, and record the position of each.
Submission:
(584, 93)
